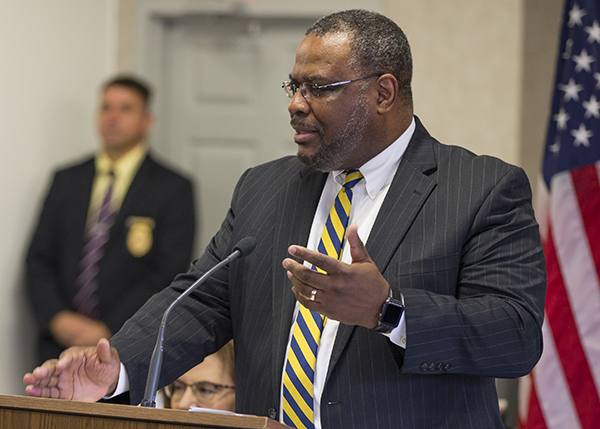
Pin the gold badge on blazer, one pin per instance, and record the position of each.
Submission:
(139, 236)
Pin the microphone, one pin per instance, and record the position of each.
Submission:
(243, 248)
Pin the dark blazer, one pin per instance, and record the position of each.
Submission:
(456, 234)
(155, 223)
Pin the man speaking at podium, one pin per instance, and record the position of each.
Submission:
(406, 330)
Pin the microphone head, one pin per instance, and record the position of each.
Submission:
(245, 246)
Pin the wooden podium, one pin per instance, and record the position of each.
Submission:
(25, 412)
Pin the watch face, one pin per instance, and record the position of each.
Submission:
(392, 313)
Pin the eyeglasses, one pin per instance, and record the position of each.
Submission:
(312, 90)
(204, 391)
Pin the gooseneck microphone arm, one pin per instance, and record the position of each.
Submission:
(244, 247)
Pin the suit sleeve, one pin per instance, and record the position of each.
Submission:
(491, 325)
(42, 264)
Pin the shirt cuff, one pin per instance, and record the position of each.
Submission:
(122, 384)
(398, 334)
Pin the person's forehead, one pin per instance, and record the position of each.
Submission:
(122, 93)
(324, 56)
(210, 370)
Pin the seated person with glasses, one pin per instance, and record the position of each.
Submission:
(210, 384)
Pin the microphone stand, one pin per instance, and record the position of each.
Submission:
(157, 355)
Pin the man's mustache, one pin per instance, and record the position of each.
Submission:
(300, 123)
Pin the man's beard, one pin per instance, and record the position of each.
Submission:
(333, 153)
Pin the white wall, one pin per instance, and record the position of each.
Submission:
(468, 65)
(53, 57)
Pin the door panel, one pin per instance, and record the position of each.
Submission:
(222, 109)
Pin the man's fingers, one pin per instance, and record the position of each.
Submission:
(32, 390)
(103, 351)
(45, 390)
(41, 376)
(65, 360)
(49, 366)
(304, 281)
(40, 373)
(358, 251)
(28, 378)
(305, 294)
(324, 262)
(304, 298)
(300, 272)
(31, 379)
(83, 373)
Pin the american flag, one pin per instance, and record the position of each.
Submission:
(563, 389)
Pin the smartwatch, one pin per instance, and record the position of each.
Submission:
(390, 314)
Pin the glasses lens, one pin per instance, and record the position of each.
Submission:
(289, 89)
(175, 390)
(309, 90)
(205, 391)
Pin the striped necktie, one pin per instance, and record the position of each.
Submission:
(85, 300)
(299, 375)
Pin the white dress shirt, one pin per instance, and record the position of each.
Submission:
(368, 196)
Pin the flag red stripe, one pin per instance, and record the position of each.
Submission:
(535, 416)
(569, 348)
(587, 189)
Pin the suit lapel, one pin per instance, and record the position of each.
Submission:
(410, 188)
(131, 200)
(83, 196)
(296, 209)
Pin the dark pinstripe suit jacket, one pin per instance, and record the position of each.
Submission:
(456, 234)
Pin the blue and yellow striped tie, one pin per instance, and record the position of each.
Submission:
(299, 375)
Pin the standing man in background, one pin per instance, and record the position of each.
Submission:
(114, 229)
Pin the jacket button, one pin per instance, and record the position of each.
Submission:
(272, 413)
(431, 366)
(439, 367)
(424, 366)
(447, 367)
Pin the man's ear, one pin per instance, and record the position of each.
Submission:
(387, 87)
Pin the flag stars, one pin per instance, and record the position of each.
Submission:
(582, 136)
(568, 47)
(555, 148)
(575, 15)
(571, 90)
(561, 119)
(594, 32)
(583, 61)
(597, 77)
(592, 108)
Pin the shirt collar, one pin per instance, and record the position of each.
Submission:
(128, 162)
(379, 171)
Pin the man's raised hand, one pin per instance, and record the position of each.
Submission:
(81, 374)
(351, 293)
